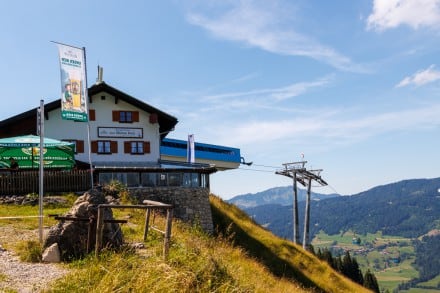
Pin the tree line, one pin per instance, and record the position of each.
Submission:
(427, 262)
(349, 267)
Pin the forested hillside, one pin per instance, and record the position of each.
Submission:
(409, 208)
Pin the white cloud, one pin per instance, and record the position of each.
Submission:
(389, 14)
(327, 128)
(258, 25)
(273, 94)
(421, 77)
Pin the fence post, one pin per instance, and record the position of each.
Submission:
(166, 243)
(99, 230)
(147, 223)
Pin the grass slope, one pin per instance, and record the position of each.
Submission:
(242, 257)
(283, 258)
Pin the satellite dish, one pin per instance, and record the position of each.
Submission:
(438, 190)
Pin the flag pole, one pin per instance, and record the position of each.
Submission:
(86, 97)
(41, 170)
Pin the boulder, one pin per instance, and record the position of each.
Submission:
(52, 254)
(76, 236)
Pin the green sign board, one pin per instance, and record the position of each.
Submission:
(25, 150)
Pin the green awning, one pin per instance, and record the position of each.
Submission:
(26, 151)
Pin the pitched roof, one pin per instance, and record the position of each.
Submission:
(166, 121)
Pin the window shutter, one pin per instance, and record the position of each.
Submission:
(147, 147)
(115, 115)
(114, 147)
(94, 146)
(92, 116)
(135, 116)
(153, 118)
(127, 147)
(80, 146)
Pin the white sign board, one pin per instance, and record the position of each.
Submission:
(120, 132)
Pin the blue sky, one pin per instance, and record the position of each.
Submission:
(352, 85)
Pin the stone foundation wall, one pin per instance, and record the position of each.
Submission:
(191, 204)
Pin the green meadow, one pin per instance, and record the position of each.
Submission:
(388, 257)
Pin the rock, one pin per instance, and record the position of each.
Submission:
(52, 254)
(76, 236)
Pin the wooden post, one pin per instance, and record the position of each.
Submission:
(147, 223)
(166, 243)
(90, 232)
(99, 230)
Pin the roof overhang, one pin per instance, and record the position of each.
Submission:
(161, 166)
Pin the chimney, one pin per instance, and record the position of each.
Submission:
(100, 74)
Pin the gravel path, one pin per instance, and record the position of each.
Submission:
(26, 277)
(23, 277)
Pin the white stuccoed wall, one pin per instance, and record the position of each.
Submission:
(61, 129)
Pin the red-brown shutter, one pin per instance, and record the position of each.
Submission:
(127, 147)
(94, 144)
(135, 115)
(115, 115)
(92, 115)
(147, 147)
(80, 146)
(153, 118)
(114, 147)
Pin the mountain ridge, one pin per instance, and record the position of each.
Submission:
(408, 208)
(282, 195)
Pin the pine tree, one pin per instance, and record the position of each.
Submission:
(350, 268)
(328, 257)
(346, 265)
(357, 273)
(338, 263)
(370, 281)
(319, 253)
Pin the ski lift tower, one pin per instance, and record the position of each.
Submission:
(310, 175)
(305, 177)
(292, 170)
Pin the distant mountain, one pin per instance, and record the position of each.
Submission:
(408, 208)
(277, 195)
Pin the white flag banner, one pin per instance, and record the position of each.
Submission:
(73, 83)
(190, 149)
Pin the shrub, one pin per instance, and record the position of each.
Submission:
(29, 251)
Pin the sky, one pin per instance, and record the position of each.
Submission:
(351, 87)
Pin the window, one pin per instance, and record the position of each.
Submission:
(79, 145)
(148, 179)
(132, 179)
(104, 147)
(191, 180)
(125, 116)
(137, 147)
(162, 180)
(174, 179)
(75, 148)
